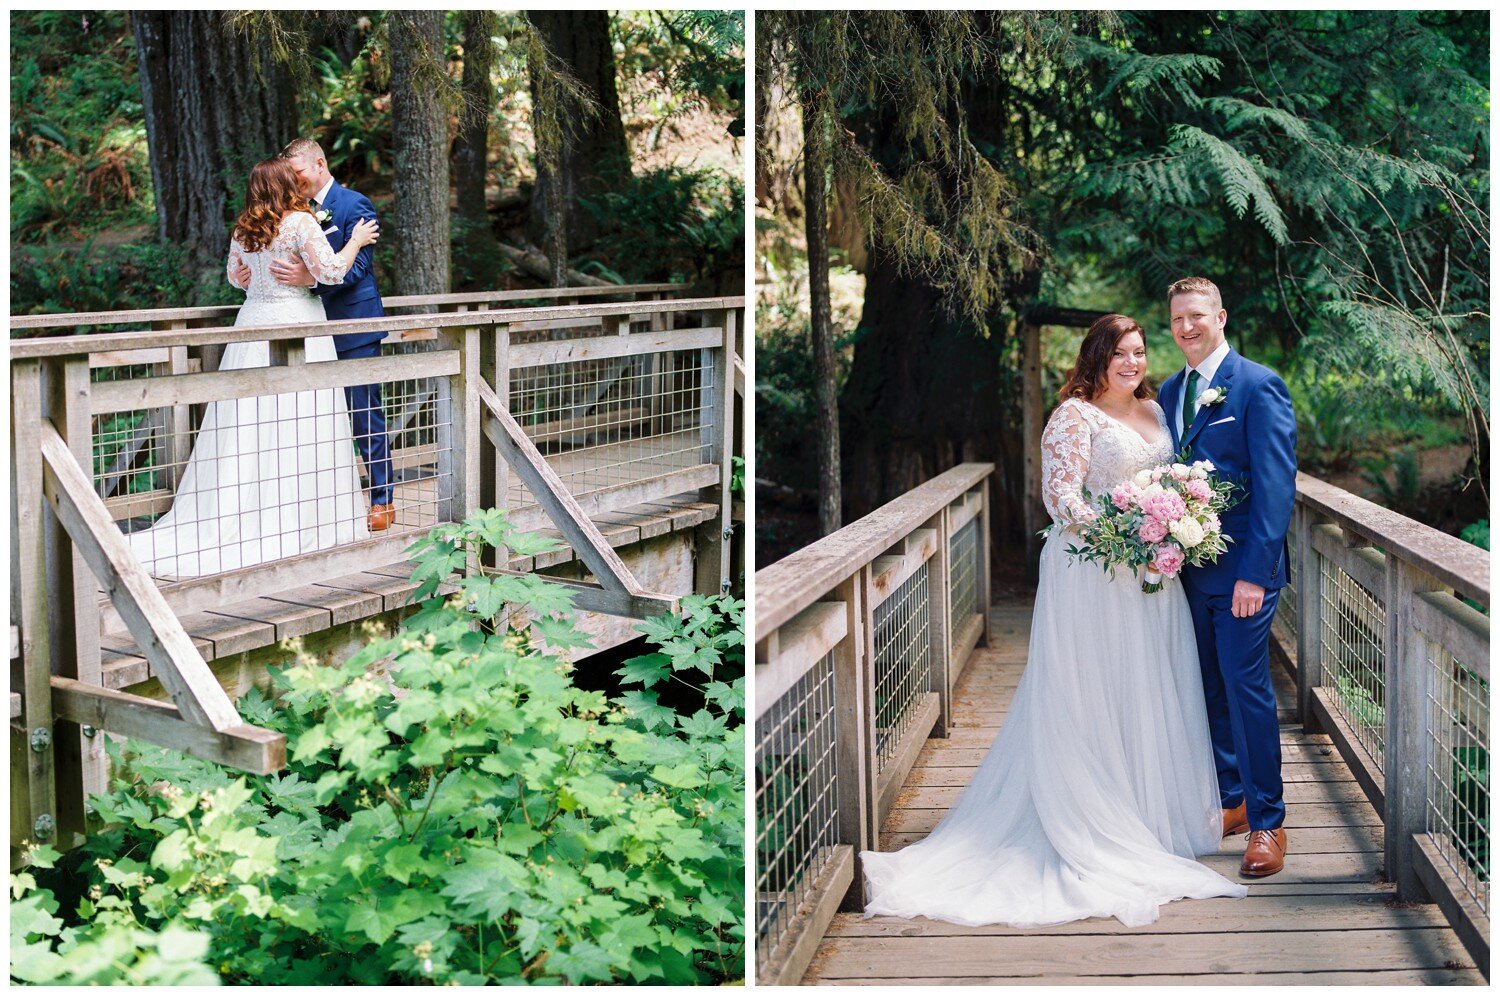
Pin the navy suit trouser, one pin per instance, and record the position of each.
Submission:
(368, 415)
(1235, 658)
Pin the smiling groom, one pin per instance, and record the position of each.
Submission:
(1238, 415)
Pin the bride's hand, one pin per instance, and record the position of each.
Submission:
(365, 232)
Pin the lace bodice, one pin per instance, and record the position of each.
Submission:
(1084, 447)
(298, 238)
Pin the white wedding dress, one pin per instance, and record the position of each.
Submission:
(1100, 787)
(270, 476)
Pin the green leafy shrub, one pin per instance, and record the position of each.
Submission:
(693, 220)
(455, 809)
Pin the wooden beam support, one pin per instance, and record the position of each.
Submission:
(244, 747)
(577, 529)
(158, 633)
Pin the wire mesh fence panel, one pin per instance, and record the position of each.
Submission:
(618, 421)
(129, 446)
(963, 575)
(1353, 648)
(903, 662)
(1458, 770)
(242, 481)
(1285, 621)
(796, 801)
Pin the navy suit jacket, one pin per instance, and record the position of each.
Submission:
(357, 296)
(1251, 439)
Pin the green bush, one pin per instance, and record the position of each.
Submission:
(692, 220)
(470, 816)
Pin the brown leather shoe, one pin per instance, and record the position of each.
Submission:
(1235, 821)
(1266, 854)
(380, 517)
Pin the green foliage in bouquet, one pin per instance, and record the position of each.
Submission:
(455, 810)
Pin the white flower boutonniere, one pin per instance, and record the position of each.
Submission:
(323, 216)
(1213, 396)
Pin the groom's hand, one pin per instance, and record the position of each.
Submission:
(293, 274)
(1246, 600)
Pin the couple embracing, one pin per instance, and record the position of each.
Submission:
(1144, 727)
(275, 476)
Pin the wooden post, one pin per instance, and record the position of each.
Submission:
(73, 605)
(870, 774)
(467, 431)
(711, 568)
(500, 337)
(985, 637)
(939, 621)
(33, 791)
(1309, 579)
(1031, 443)
(178, 445)
(852, 748)
(1408, 743)
(446, 434)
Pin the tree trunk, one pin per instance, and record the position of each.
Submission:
(924, 394)
(419, 127)
(470, 155)
(816, 165)
(214, 106)
(591, 155)
(477, 262)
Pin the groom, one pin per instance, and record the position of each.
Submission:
(338, 209)
(1247, 430)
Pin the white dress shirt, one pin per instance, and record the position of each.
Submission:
(322, 195)
(1206, 371)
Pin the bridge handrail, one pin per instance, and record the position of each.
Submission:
(1393, 664)
(561, 294)
(860, 638)
(75, 345)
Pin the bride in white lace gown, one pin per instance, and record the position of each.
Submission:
(270, 476)
(1100, 787)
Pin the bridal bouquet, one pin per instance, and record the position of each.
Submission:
(1160, 521)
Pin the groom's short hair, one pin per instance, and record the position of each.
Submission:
(1195, 285)
(302, 148)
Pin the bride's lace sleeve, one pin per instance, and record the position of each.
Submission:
(1065, 464)
(313, 248)
(236, 260)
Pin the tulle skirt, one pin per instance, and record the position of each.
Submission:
(1100, 787)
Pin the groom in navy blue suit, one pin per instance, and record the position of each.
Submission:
(338, 210)
(1238, 415)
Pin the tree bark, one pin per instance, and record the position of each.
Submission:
(214, 106)
(419, 126)
(816, 167)
(470, 155)
(592, 156)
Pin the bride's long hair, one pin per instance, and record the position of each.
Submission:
(1086, 379)
(271, 195)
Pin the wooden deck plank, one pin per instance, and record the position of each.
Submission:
(1329, 918)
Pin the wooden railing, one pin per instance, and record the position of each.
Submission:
(1387, 630)
(860, 639)
(558, 413)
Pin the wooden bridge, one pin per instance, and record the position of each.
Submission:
(874, 706)
(601, 416)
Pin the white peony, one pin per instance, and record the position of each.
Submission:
(1198, 473)
(1187, 531)
(1179, 472)
(1143, 479)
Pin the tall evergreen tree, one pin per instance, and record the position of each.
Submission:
(419, 123)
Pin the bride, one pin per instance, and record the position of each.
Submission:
(1100, 787)
(270, 476)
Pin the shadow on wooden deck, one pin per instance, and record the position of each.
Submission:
(1327, 919)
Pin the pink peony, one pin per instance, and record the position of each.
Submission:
(1152, 530)
(1200, 490)
(1124, 495)
(1169, 559)
(1167, 506)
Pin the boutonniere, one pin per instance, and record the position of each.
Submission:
(323, 215)
(1213, 396)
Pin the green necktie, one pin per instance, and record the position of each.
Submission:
(1189, 395)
